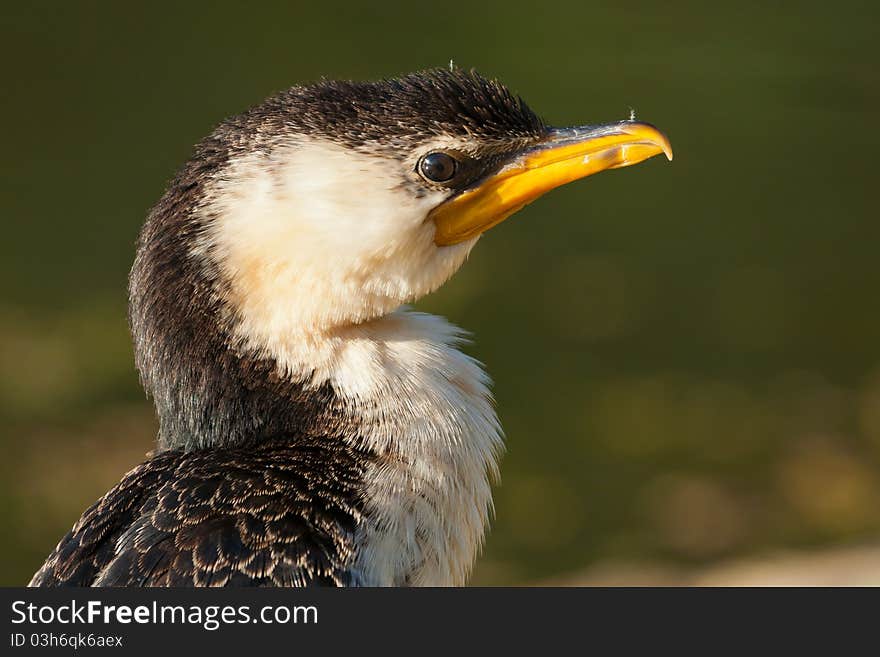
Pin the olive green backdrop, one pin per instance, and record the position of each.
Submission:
(686, 355)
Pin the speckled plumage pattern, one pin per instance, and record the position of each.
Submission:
(281, 513)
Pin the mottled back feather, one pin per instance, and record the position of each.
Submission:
(272, 514)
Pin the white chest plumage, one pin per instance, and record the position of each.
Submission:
(427, 412)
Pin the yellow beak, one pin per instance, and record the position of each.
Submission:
(564, 156)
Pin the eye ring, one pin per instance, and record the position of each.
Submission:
(437, 167)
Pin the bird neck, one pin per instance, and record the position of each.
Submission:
(212, 388)
(208, 389)
(396, 388)
(208, 392)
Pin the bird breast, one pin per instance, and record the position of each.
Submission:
(425, 410)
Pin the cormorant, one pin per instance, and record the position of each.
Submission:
(312, 429)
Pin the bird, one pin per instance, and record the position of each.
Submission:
(314, 429)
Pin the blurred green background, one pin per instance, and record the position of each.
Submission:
(686, 355)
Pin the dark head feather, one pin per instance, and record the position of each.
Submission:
(418, 106)
(435, 102)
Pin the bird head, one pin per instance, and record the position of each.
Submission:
(343, 200)
(330, 205)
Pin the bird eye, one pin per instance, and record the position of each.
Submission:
(437, 167)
